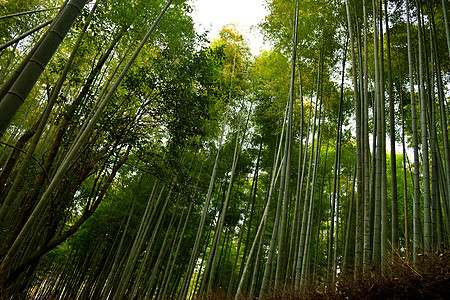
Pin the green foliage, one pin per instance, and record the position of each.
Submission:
(168, 114)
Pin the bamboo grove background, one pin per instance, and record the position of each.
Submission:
(139, 160)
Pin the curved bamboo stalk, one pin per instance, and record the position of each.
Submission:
(72, 154)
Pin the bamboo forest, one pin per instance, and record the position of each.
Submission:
(141, 159)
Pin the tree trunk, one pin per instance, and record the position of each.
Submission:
(416, 207)
(424, 136)
(267, 271)
(193, 258)
(12, 194)
(31, 72)
(394, 205)
(285, 178)
(211, 263)
(359, 179)
(71, 155)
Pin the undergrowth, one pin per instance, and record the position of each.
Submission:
(429, 279)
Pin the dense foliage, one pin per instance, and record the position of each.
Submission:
(140, 160)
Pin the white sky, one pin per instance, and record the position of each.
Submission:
(212, 15)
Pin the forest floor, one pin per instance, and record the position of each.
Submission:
(430, 279)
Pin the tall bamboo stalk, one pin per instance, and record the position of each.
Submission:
(416, 207)
(424, 136)
(359, 179)
(25, 82)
